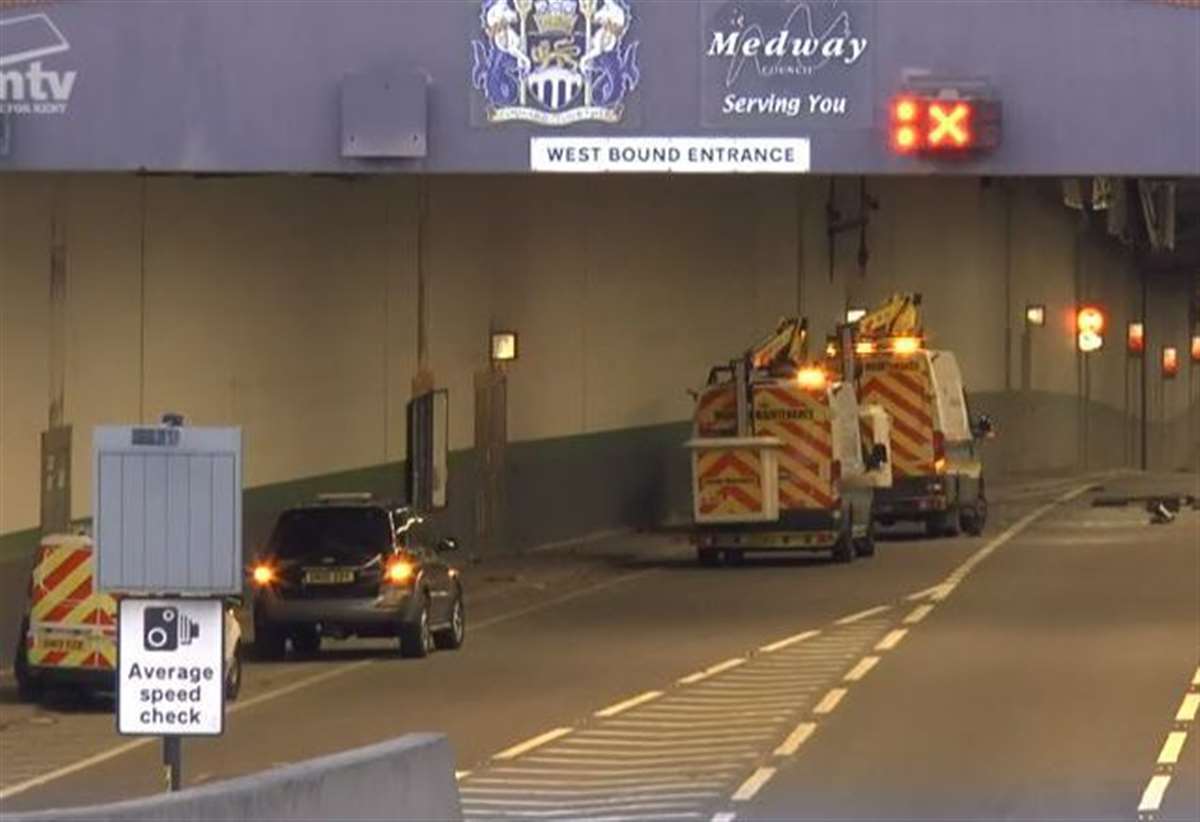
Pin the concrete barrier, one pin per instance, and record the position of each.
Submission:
(410, 778)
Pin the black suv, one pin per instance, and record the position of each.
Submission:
(348, 565)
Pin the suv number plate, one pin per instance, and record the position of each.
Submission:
(327, 576)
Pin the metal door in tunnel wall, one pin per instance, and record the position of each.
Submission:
(491, 441)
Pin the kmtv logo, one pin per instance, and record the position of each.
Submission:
(27, 86)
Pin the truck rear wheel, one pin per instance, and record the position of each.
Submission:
(864, 546)
(843, 549)
(942, 524)
(974, 517)
(29, 689)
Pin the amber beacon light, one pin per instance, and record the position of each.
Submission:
(1136, 339)
(1089, 322)
(1170, 362)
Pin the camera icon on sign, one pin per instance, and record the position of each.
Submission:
(165, 629)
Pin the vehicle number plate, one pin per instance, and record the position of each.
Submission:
(60, 644)
(327, 576)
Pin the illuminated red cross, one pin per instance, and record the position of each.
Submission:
(949, 124)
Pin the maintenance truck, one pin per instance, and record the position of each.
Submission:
(937, 468)
(783, 456)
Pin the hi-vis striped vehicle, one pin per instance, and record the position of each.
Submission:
(69, 634)
(937, 469)
(783, 457)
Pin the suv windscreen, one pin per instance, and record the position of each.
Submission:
(346, 534)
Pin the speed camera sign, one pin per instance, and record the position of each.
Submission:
(171, 661)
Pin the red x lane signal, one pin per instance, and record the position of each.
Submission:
(925, 124)
(950, 124)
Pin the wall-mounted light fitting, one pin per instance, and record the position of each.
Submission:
(1035, 315)
(504, 346)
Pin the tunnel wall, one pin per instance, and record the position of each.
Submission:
(288, 305)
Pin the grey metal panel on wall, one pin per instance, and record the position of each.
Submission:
(168, 509)
(1088, 86)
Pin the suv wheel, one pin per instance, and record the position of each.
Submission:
(943, 524)
(268, 642)
(416, 638)
(865, 545)
(843, 549)
(306, 641)
(451, 638)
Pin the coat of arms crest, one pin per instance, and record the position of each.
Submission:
(555, 62)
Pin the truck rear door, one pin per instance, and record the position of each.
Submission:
(70, 625)
(800, 418)
(901, 383)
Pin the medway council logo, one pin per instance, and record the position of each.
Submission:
(26, 87)
(555, 62)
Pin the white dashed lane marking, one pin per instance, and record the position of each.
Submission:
(700, 676)
(796, 738)
(621, 707)
(830, 701)
(861, 615)
(673, 754)
(1172, 748)
(531, 744)
(753, 784)
(863, 668)
(918, 614)
(891, 640)
(1168, 755)
(788, 642)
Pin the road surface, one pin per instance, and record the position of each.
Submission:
(1047, 670)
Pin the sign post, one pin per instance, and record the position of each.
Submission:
(168, 525)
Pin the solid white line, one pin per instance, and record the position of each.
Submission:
(753, 784)
(667, 736)
(795, 739)
(863, 667)
(599, 586)
(691, 679)
(1188, 708)
(104, 756)
(829, 701)
(724, 816)
(298, 685)
(891, 640)
(1172, 747)
(861, 615)
(600, 783)
(461, 774)
(620, 707)
(918, 614)
(788, 641)
(530, 744)
(1152, 797)
(941, 591)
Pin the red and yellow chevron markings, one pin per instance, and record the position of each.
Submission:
(72, 626)
(902, 387)
(800, 418)
(716, 411)
(729, 481)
